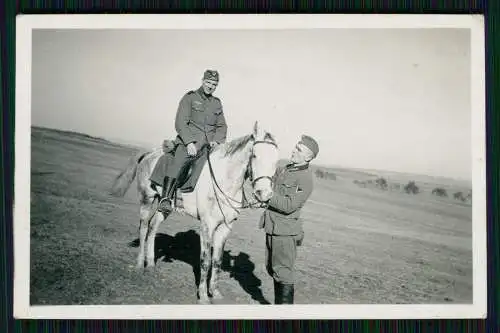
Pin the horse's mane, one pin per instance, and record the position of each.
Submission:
(233, 146)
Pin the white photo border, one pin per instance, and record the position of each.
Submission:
(25, 24)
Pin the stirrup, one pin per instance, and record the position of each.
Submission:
(162, 207)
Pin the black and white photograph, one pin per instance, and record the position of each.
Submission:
(250, 167)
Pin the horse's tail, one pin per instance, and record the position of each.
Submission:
(123, 180)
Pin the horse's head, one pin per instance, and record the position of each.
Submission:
(263, 162)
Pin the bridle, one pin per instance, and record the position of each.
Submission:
(249, 167)
(248, 174)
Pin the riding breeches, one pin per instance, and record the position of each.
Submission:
(281, 253)
(158, 174)
(181, 161)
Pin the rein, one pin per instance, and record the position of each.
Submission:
(212, 174)
(216, 184)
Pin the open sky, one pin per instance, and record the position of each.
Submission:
(391, 99)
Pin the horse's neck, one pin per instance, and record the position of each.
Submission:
(231, 169)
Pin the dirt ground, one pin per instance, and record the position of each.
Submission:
(361, 245)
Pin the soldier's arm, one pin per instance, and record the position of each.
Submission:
(182, 120)
(221, 127)
(289, 203)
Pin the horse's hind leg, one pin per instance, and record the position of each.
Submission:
(153, 228)
(219, 240)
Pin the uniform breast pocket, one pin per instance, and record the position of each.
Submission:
(197, 114)
(212, 118)
(289, 188)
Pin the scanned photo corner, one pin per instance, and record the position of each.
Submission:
(326, 173)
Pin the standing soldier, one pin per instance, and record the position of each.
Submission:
(199, 122)
(293, 184)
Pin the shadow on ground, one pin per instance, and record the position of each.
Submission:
(185, 246)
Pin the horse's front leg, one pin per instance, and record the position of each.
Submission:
(143, 231)
(219, 240)
(205, 254)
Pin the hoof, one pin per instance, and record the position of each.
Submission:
(150, 269)
(216, 294)
(202, 301)
(135, 268)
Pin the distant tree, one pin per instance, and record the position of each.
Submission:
(325, 174)
(319, 173)
(439, 191)
(331, 175)
(359, 183)
(411, 188)
(381, 183)
(459, 196)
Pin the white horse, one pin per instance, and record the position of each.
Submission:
(215, 200)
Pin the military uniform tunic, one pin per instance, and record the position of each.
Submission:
(200, 120)
(281, 220)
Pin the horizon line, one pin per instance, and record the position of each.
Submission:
(142, 145)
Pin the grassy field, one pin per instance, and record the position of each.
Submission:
(362, 245)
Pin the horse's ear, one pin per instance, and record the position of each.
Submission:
(255, 128)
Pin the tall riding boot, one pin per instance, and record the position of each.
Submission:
(165, 204)
(278, 293)
(288, 293)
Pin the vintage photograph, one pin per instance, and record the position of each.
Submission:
(250, 162)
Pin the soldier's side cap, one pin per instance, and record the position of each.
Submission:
(310, 143)
(211, 75)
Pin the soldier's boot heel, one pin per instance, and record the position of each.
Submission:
(278, 293)
(288, 293)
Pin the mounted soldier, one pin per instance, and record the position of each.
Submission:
(200, 125)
